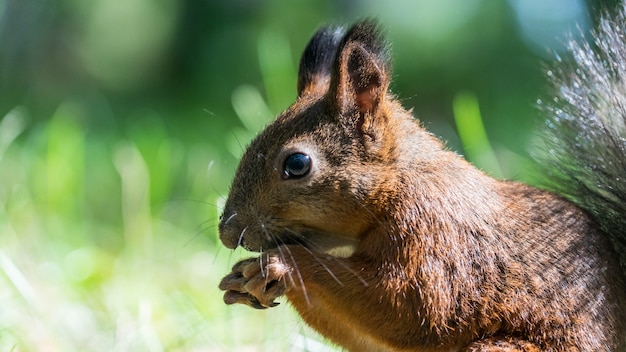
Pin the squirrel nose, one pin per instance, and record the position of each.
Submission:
(229, 235)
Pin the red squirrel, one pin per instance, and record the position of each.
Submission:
(384, 240)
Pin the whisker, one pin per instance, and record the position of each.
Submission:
(230, 218)
(353, 272)
(230, 258)
(216, 255)
(282, 257)
(218, 192)
(303, 241)
(195, 235)
(276, 240)
(306, 294)
(261, 252)
(238, 142)
(280, 243)
(240, 240)
(314, 255)
(330, 272)
(191, 200)
(199, 226)
(261, 264)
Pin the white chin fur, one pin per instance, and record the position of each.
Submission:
(342, 251)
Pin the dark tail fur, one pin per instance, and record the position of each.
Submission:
(586, 131)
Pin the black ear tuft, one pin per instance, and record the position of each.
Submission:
(317, 60)
(361, 72)
(369, 35)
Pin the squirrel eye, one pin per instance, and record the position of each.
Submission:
(296, 165)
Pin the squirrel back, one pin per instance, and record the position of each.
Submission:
(384, 240)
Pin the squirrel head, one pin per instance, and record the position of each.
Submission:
(318, 175)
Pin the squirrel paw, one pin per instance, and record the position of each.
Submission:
(256, 282)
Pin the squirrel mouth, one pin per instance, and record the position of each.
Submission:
(311, 239)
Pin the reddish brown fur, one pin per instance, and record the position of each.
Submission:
(444, 257)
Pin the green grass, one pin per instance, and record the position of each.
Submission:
(108, 236)
(108, 243)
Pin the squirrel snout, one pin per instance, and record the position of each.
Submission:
(246, 231)
(229, 234)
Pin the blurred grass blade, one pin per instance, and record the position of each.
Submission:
(17, 279)
(136, 214)
(11, 126)
(279, 73)
(253, 113)
(251, 108)
(472, 133)
(65, 162)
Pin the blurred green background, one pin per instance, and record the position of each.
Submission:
(122, 122)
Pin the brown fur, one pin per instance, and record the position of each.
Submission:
(444, 258)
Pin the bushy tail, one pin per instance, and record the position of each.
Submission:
(586, 132)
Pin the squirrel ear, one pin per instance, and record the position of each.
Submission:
(317, 60)
(360, 77)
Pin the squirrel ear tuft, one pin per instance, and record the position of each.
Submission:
(360, 76)
(317, 61)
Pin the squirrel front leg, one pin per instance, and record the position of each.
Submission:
(291, 270)
(333, 295)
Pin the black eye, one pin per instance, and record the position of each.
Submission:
(296, 165)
